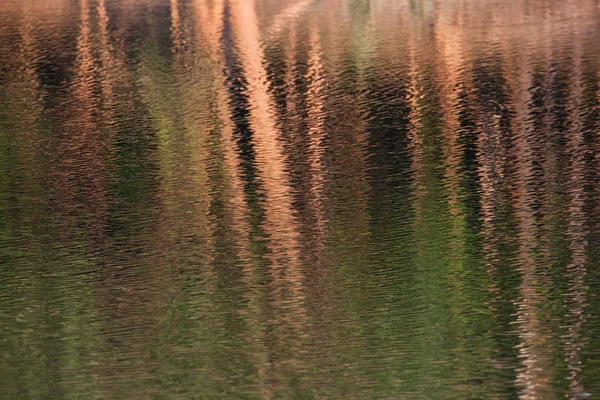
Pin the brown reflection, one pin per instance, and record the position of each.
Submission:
(79, 162)
(320, 281)
(177, 33)
(269, 154)
(23, 77)
(316, 133)
(285, 18)
(453, 83)
(348, 51)
(415, 141)
(436, 81)
(535, 376)
(346, 121)
(211, 18)
(125, 302)
(577, 232)
(280, 223)
(458, 105)
(496, 173)
(209, 26)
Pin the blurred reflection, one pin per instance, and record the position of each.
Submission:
(299, 199)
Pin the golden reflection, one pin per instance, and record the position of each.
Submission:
(210, 20)
(280, 223)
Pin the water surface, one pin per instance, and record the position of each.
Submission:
(299, 199)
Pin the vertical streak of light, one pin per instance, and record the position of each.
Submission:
(106, 51)
(209, 27)
(316, 133)
(322, 278)
(213, 20)
(84, 144)
(283, 19)
(176, 32)
(450, 41)
(455, 79)
(280, 222)
(533, 377)
(195, 91)
(415, 116)
(27, 53)
(576, 271)
(493, 176)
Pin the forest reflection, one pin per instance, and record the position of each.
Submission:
(299, 199)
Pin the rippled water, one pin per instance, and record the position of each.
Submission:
(298, 199)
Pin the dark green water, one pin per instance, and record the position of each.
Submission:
(299, 199)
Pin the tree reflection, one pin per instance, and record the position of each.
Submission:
(263, 199)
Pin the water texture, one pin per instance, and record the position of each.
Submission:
(299, 199)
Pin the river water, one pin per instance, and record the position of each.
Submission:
(299, 199)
